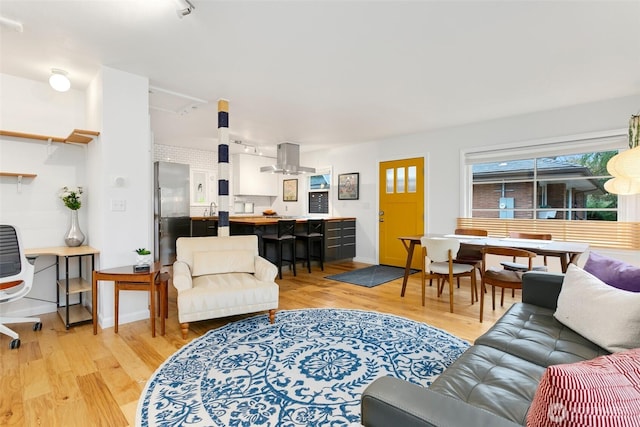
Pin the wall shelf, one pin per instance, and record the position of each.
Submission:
(77, 136)
(19, 175)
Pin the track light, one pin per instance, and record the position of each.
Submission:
(187, 10)
(59, 80)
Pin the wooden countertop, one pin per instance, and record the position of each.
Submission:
(264, 220)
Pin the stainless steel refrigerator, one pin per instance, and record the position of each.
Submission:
(171, 209)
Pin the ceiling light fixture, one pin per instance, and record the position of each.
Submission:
(625, 166)
(11, 24)
(59, 80)
(187, 10)
(247, 147)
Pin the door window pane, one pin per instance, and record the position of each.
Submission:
(400, 180)
(412, 186)
(389, 185)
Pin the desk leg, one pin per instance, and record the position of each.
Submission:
(94, 302)
(407, 267)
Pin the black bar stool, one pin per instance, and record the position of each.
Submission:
(314, 232)
(285, 236)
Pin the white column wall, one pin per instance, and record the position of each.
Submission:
(118, 103)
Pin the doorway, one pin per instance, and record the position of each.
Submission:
(401, 208)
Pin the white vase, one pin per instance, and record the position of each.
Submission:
(74, 236)
(144, 259)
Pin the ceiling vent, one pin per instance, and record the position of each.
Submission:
(288, 161)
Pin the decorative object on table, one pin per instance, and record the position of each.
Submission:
(625, 166)
(144, 259)
(269, 212)
(348, 186)
(371, 276)
(71, 199)
(309, 368)
(290, 190)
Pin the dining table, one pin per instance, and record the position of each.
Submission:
(567, 252)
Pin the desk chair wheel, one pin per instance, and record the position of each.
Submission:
(37, 326)
(14, 344)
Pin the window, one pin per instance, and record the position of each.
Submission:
(319, 188)
(559, 187)
(551, 180)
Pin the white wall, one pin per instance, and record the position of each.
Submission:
(116, 104)
(33, 107)
(441, 150)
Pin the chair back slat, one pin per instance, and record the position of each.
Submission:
(439, 249)
(286, 228)
(471, 232)
(533, 236)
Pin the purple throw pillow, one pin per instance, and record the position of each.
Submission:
(613, 272)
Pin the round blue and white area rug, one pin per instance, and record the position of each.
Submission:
(308, 369)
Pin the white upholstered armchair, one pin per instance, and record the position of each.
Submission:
(222, 276)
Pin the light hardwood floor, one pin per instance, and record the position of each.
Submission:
(73, 378)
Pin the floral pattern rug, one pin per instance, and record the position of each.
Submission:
(308, 369)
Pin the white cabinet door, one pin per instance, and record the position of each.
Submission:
(247, 178)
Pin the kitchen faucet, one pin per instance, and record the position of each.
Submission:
(212, 208)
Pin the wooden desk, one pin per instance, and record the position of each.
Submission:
(127, 279)
(568, 252)
(70, 314)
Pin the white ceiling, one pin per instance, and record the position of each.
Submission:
(325, 72)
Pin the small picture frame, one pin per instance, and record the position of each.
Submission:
(348, 186)
(290, 190)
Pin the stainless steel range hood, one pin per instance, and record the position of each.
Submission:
(288, 161)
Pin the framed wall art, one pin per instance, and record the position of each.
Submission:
(348, 186)
(290, 190)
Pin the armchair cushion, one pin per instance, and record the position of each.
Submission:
(216, 262)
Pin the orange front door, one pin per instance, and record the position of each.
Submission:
(401, 208)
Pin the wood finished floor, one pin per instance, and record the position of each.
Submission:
(73, 378)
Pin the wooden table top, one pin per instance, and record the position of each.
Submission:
(62, 251)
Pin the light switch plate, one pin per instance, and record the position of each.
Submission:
(118, 205)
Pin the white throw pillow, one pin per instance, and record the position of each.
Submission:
(216, 262)
(601, 313)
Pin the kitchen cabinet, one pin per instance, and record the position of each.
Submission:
(247, 178)
(339, 239)
(204, 227)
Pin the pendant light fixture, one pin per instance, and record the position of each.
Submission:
(59, 80)
(625, 166)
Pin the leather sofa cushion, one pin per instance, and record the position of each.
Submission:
(492, 380)
(532, 333)
(218, 262)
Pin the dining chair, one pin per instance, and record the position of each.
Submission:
(503, 278)
(516, 266)
(285, 236)
(523, 267)
(470, 254)
(437, 263)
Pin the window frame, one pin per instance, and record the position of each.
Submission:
(565, 145)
